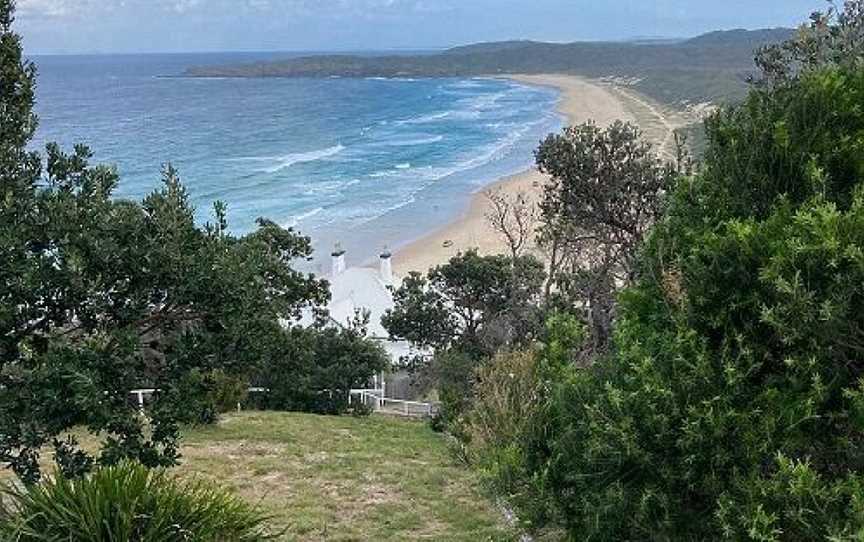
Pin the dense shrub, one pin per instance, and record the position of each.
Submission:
(508, 424)
(732, 406)
(505, 402)
(130, 503)
(314, 369)
(206, 395)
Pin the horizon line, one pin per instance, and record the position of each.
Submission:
(434, 48)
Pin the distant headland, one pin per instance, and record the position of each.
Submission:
(711, 67)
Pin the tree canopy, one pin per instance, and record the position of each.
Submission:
(473, 303)
(99, 296)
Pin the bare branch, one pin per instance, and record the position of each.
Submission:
(514, 216)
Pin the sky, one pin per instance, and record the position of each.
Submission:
(114, 26)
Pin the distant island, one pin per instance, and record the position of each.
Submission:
(712, 67)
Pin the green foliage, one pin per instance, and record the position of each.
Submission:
(474, 303)
(605, 191)
(731, 408)
(731, 404)
(314, 369)
(100, 296)
(467, 310)
(832, 38)
(127, 502)
(227, 391)
(452, 372)
(507, 394)
(511, 416)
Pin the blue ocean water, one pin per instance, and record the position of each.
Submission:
(363, 162)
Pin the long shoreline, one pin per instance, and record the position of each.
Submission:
(580, 100)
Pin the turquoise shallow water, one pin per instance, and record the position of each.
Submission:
(365, 162)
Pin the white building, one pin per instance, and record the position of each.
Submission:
(369, 289)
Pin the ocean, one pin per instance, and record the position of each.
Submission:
(366, 163)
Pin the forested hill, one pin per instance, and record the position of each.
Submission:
(710, 67)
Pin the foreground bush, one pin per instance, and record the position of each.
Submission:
(507, 397)
(732, 408)
(508, 424)
(732, 404)
(127, 503)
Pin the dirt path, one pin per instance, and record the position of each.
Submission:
(658, 122)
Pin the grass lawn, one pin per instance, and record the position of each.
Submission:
(344, 478)
(340, 478)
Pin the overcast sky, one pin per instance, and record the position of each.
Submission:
(65, 26)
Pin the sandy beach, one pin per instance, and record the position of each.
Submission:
(581, 100)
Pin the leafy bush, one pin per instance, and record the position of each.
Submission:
(731, 408)
(453, 373)
(506, 400)
(466, 310)
(732, 403)
(127, 502)
(227, 390)
(202, 396)
(509, 421)
(314, 369)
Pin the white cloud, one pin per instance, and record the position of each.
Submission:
(75, 8)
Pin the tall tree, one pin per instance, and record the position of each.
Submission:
(465, 311)
(606, 190)
(475, 304)
(514, 217)
(100, 296)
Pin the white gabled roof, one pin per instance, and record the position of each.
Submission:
(360, 288)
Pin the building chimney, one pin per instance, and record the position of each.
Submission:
(387, 267)
(338, 260)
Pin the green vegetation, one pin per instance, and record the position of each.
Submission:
(605, 191)
(729, 405)
(101, 296)
(315, 369)
(689, 369)
(127, 502)
(712, 67)
(466, 310)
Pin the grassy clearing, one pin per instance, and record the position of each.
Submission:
(342, 478)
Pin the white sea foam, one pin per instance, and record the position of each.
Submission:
(484, 102)
(406, 165)
(294, 221)
(411, 142)
(383, 174)
(469, 83)
(426, 119)
(321, 188)
(285, 161)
